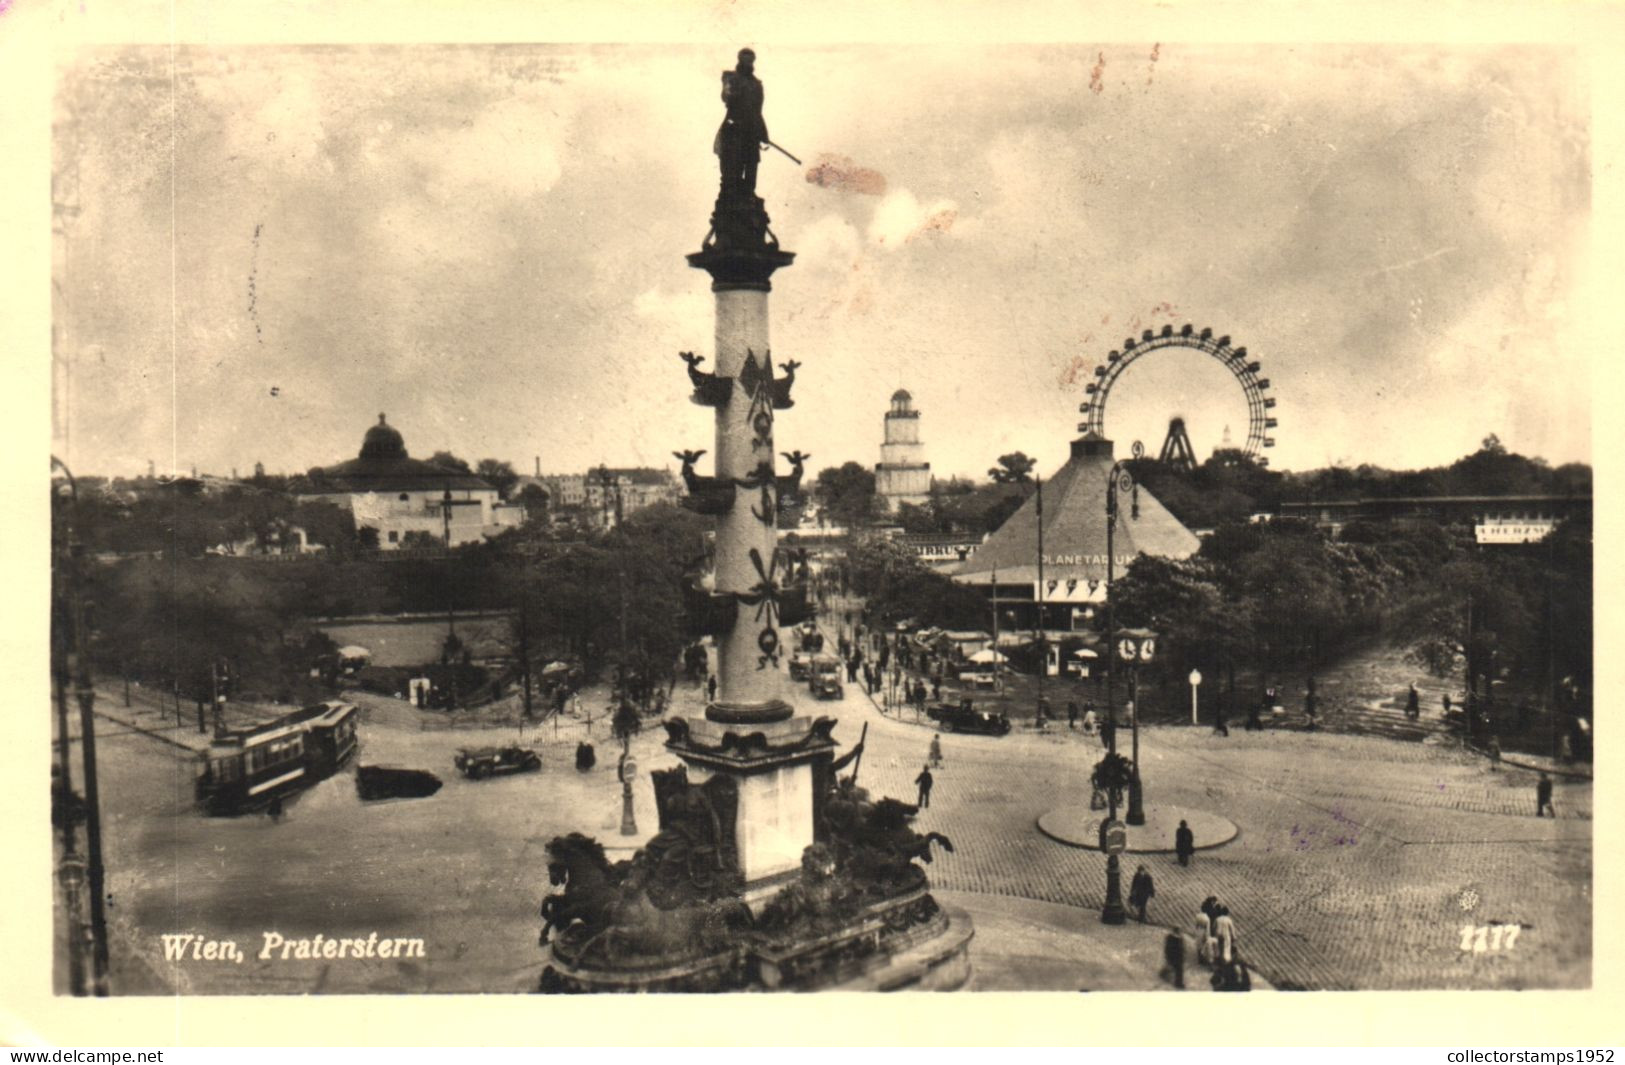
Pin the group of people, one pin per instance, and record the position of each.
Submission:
(1216, 947)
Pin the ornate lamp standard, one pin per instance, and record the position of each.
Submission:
(1135, 646)
(1120, 480)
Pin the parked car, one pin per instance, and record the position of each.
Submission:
(801, 665)
(825, 679)
(476, 763)
(966, 718)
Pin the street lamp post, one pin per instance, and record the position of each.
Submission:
(629, 772)
(1119, 480)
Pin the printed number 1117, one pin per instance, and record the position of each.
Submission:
(1479, 939)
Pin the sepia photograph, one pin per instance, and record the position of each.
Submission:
(559, 518)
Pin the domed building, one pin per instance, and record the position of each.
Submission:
(394, 494)
(902, 475)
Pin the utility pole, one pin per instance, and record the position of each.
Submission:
(997, 680)
(70, 869)
(451, 613)
(524, 649)
(86, 692)
(1043, 642)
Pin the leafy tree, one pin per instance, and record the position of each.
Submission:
(498, 474)
(917, 518)
(449, 461)
(534, 498)
(999, 511)
(847, 494)
(1014, 468)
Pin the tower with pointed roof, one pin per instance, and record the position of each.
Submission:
(903, 475)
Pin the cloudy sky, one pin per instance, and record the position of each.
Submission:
(265, 247)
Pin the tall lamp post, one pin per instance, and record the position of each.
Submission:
(85, 690)
(1119, 481)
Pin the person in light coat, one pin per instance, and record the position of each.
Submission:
(1224, 930)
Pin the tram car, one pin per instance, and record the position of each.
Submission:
(247, 769)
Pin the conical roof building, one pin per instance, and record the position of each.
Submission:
(1074, 539)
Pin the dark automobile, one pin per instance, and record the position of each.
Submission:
(373, 782)
(800, 665)
(966, 718)
(477, 763)
(825, 680)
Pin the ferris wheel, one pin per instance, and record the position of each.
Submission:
(1245, 370)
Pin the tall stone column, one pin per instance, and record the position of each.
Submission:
(750, 732)
(749, 686)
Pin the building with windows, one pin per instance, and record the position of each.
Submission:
(902, 476)
(1510, 519)
(396, 495)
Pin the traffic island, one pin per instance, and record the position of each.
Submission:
(1080, 827)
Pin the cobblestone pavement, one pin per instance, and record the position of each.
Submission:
(1359, 864)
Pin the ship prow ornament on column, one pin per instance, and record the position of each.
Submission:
(769, 871)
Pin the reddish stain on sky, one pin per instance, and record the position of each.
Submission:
(842, 174)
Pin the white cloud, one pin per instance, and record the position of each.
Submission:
(900, 218)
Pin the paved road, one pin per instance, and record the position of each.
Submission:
(1359, 862)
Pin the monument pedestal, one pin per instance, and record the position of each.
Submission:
(772, 766)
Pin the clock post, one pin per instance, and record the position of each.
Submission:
(1135, 646)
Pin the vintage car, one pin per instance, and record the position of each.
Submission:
(801, 665)
(825, 678)
(375, 782)
(966, 718)
(477, 763)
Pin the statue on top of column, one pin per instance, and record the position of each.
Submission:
(739, 140)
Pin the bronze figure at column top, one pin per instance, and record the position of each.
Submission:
(739, 139)
(740, 250)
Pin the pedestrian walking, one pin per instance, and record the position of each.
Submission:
(1309, 704)
(586, 758)
(1184, 843)
(1232, 977)
(1543, 797)
(1088, 719)
(936, 688)
(1207, 945)
(1413, 704)
(936, 750)
(1173, 954)
(925, 781)
(1224, 930)
(868, 677)
(711, 688)
(1140, 892)
(1495, 752)
(1071, 714)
